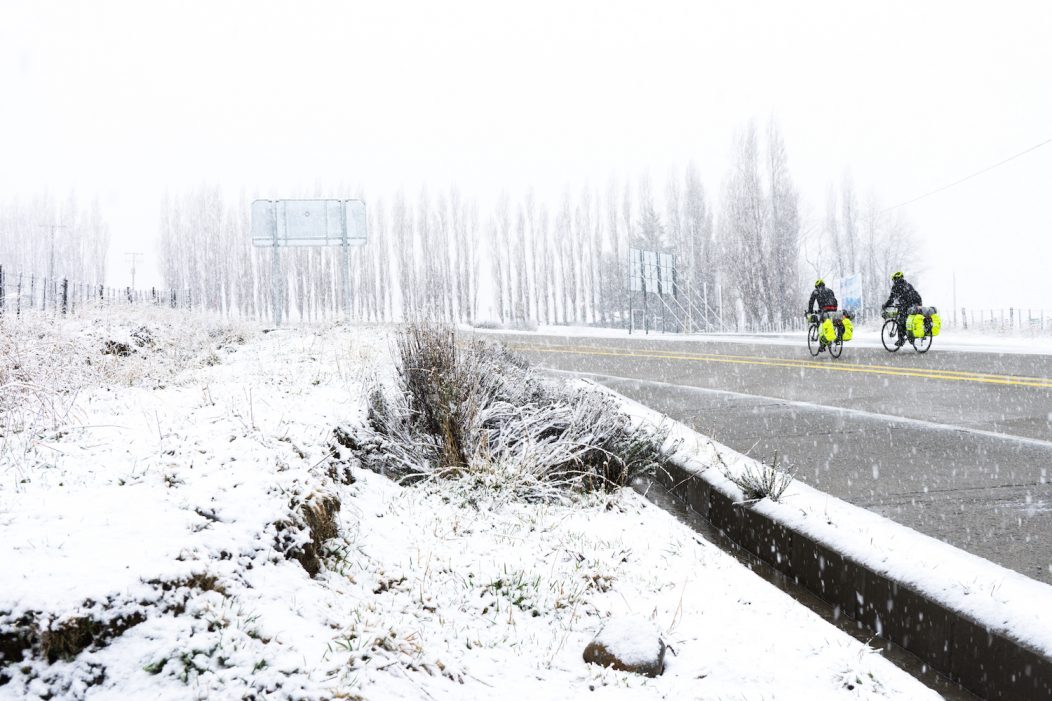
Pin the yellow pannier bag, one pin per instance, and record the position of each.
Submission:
(827, 332)
(849, 329)
(915, 325)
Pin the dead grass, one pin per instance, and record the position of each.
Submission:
(45, 363)
(760, 480)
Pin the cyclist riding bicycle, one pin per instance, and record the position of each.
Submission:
(902, 297)
(823, 296)
(826, 301)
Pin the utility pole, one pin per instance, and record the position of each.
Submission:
(132, 257)
(51, 251)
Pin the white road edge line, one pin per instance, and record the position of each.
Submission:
(1037, 442)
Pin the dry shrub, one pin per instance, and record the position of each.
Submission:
(442, 389)
(475, 409)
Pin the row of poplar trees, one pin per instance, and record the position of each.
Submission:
(523, 261)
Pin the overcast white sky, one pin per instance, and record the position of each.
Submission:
(125, 99)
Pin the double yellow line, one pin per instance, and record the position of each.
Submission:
(951, 375)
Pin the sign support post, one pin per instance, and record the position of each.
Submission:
(346, 266)
(275, 282)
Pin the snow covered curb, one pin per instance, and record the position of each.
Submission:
(986, 626)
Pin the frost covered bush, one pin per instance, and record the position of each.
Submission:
(475, 410)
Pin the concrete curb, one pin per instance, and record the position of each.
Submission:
(986, 662)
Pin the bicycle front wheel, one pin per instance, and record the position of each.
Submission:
(889, 334)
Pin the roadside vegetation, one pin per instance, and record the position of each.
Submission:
(471, 410)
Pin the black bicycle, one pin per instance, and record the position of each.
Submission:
(816, 345)
(889, 335)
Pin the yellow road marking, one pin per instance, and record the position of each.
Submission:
(951, 375)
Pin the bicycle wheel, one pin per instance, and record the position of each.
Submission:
(922, 344)
(813, 345)
(836, 348)
(889, 334)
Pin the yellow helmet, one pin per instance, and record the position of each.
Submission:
(819, 282)
(897, 275)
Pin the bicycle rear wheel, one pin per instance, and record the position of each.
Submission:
(889, 334)
(922, 344)
(836, 348)
(813, 346)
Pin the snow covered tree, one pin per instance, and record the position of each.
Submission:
(743, 228)
(784, 229)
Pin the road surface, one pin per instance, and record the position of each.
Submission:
(957, 445)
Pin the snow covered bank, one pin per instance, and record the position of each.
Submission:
(988, 626)
(160, 528)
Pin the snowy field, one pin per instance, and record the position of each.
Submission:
(162, 503)
(868, 336)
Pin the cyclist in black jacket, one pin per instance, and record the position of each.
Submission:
(826, 301)
(903, 296)
(824, 296)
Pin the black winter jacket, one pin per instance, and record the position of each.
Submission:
(903, 296)
(825, 298)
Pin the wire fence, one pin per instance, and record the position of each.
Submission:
(22, 293)
(1010, 320)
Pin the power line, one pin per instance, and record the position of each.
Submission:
(969, 177)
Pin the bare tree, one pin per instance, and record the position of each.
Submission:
(744, 227)
(784, 230)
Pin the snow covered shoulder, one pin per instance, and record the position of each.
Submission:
(193, 510)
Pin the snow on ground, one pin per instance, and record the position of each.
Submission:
(868, 336)
(158, 505)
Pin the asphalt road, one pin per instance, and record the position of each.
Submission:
(957, 445)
